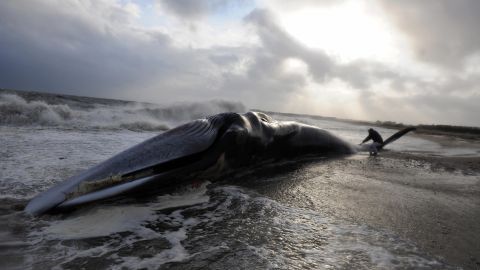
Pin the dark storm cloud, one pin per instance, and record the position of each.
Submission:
(443, 32)
(66, 47)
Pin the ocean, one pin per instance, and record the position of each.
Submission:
(316, 214)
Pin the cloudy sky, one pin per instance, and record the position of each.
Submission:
(407, 61)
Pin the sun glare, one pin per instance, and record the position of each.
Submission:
(348, 31)
(295, 66)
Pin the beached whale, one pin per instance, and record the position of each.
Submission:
(202, 149)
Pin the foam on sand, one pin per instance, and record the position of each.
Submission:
(107, 220)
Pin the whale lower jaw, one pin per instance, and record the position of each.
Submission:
(104, 193)
(214, 171)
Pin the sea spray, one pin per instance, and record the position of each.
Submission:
(92, 113)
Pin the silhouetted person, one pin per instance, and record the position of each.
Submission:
(377, 141)
(373, 135)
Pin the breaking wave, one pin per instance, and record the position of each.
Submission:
(91, 113)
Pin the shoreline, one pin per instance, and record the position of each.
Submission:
(464, 165)
(465, 132)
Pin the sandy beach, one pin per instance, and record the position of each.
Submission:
(431, 200)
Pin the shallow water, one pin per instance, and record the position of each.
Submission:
(222, 227)
(269, 219)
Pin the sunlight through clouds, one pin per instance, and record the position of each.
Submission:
(348, 31)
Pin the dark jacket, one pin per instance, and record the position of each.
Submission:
(373, 135)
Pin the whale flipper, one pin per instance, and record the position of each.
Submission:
(397, 136)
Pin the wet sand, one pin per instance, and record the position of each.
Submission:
(431, 201)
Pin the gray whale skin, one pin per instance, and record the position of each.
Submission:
(204, 148)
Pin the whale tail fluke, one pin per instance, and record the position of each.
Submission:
(397, 135)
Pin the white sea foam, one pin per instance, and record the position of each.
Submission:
(230, 224)
(107, 220)
(189, 196)
(15, 110)
(100, 222)
(175, 253)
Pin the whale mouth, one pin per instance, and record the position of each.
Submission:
(154, 171)
(179, 171)
(206, 163)
(162, 175)
(91, 190)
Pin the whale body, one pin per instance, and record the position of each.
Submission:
(204, 148)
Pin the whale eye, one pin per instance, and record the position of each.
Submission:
(264, 117)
